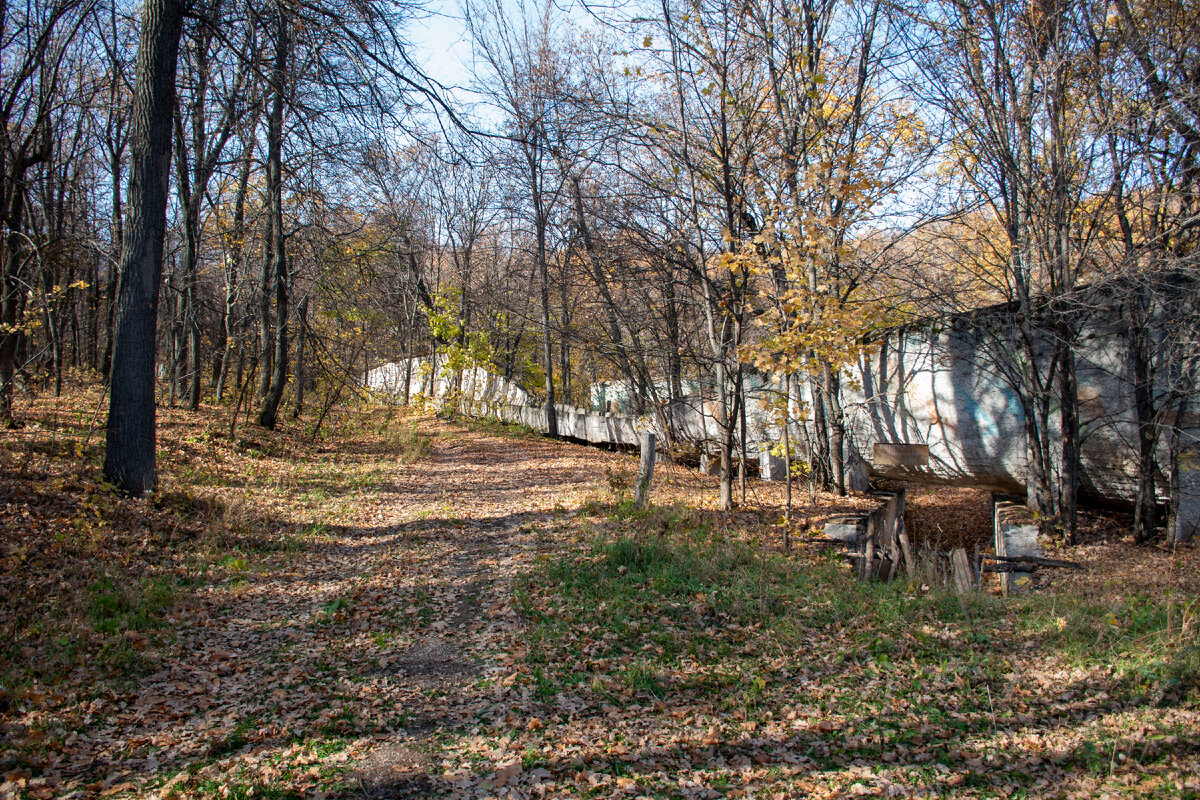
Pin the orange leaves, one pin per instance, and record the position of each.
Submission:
(808, 329)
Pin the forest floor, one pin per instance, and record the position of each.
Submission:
(411, 608)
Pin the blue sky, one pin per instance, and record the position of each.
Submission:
(441, 44)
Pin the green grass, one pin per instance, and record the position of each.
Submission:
(238, 790)
(117, 607)
(334, 610)
(1133, 634)
(660, 608)
(673, 595)
(234, 563)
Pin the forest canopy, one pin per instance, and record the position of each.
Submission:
(671, 196)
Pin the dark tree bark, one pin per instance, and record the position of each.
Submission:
(265, 358)
(674, 362)
(268, 415)
(129, 460)
(837, 428)
(29, 81)
(116, 139)
(1068, 393)
(615, 334)
(12, 298)
(1145, 512)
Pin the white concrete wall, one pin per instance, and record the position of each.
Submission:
(934, 387)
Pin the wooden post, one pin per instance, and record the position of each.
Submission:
(960, 567)
(645, 470)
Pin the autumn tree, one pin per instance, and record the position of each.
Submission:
(524, 67)
(213, 77)
(1002, 78)
(842, 147)
(1143, 101)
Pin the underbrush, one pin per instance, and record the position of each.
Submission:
(1152, 644)
(496, 427)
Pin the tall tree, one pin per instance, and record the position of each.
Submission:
(277, 246)
(521, 57)
(1003, 77)
(215, 103)
(129, 459)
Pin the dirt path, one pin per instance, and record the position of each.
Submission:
(337, 667)
(474, 508)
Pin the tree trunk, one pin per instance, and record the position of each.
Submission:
(129, 460)
(674, 361)
(408, 363)
(270, 407)
(787, 461)
(741, 401)
(1145, 510)
(110, 286)
(837, 428)
(93, 315)
(301, 336)
(177, 348)
(547, 341)
(54, 332)
(232, 269)
(12, 298)
(1069, 410)
(1174, 479)
(615, 334)
(543, 274)
(726, 425)
(1037, 479)
(195, 359)
(819, 449)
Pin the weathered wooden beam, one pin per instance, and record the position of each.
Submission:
(1041, 562)
(1010, 568)
(960, 566)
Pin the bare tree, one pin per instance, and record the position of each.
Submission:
(34, 38)
(130, 458)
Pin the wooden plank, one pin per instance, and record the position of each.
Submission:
(910, 563)
(886, 568)
(645, 470)
(1043, 562)
(867, 564)
(1002, 568)
(900, 454)
(960, 567)
(896, 558)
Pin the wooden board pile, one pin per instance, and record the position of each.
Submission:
(1017, 553)
(879, 546)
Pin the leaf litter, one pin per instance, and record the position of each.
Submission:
(492, 619)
